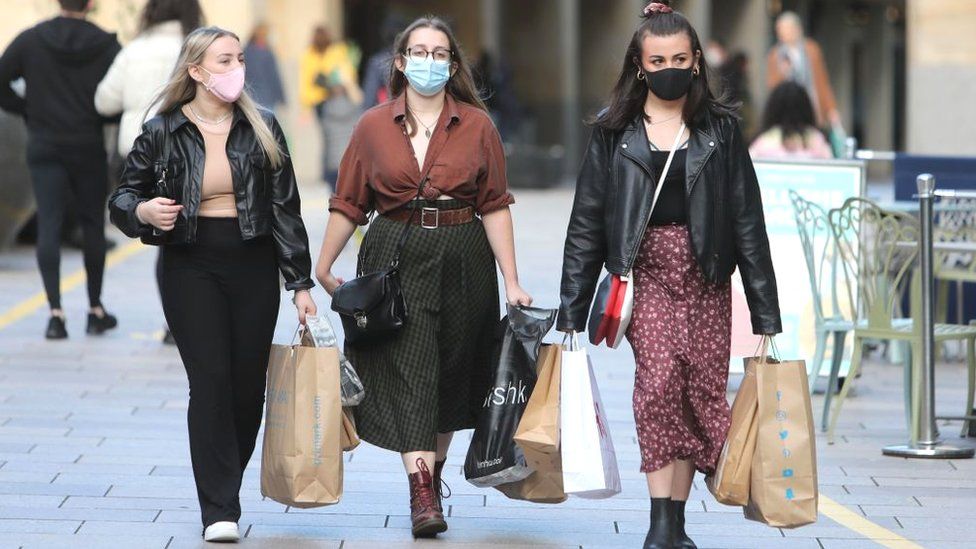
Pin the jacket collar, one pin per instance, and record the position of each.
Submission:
(634, 145)
(175, 119)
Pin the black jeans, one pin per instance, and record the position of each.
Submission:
(71, 177)
(221, 298)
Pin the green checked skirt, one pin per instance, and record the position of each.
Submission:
(432, 376)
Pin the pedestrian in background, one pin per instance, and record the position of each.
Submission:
(707, 221)
(329, 85)
(430, 157)
(62, 60)
(229, 223)
(799, 59)
(141, 70)
(262, 70)
(789, 129)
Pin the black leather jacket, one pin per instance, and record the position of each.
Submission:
(725, 216)
(267, 199)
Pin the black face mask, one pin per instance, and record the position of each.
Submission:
(669, 84)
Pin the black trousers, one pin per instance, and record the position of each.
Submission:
(221, 298)
(69, 178)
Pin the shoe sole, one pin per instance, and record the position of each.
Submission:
(429, 529)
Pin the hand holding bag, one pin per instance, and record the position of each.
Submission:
(371, 306)
(614, 303)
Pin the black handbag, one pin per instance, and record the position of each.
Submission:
(371, 306)
(163, 189)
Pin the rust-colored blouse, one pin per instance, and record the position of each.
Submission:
(379, 171)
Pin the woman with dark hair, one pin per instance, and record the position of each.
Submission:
(789, 127)
(430, 157)
(665, 127)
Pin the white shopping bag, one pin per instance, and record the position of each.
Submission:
(589, 461)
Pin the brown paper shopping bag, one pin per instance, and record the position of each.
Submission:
(783, 489)
(538, 431)
(730, 482)
(301, 462)
(539, 487)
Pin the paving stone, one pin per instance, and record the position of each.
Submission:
(62, 513)
(82, 541)
(39, 526)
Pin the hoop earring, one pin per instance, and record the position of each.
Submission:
(640, 74)
(697, 71)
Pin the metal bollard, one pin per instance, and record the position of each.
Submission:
(850, 148)
(925, 441)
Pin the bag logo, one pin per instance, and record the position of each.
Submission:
(513, 394)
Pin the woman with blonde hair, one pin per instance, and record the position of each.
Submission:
(210, 180)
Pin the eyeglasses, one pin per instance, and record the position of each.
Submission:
(441, 55)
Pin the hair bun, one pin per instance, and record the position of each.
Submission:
(658, 6)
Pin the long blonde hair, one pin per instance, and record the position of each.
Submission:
(181, 89)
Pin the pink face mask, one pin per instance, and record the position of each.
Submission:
(227, 86)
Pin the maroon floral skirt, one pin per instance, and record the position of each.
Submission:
(680, 332)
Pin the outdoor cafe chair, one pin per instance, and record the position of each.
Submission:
(833, 312)
(877, 265)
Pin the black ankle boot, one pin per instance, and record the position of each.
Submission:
(661, 533)
(681, 539)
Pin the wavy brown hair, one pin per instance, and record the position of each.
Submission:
(461, 85)
(628, 94)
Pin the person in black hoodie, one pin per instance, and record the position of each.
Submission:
(62, 60)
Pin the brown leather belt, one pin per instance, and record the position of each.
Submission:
(432, 218)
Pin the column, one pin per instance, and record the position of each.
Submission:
(941, 36)
(569, 25)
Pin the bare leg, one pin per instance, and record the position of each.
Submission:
(443, 444)
(410, 460)
(684, 472)
(660, 482)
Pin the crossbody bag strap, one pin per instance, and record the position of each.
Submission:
(664, 172)
(660, 182)
(406, 229)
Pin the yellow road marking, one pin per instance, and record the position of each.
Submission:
(72, 281)
(853, 521)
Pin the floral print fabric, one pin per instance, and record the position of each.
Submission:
(680, 332)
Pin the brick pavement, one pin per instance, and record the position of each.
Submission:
(93, 449)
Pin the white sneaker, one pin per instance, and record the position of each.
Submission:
(222, 531)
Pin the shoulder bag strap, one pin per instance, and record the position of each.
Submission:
(406, 229)
(667, 166)
(664, 174)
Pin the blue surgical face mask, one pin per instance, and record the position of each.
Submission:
(427, 77)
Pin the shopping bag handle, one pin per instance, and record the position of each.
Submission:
(573, 337)
(299, 333)
(766, 343)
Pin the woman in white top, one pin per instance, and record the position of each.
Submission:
(140, 71)
(143, 66)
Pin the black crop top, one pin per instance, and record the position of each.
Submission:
(670, 208)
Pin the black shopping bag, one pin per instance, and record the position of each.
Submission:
(493, 457)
